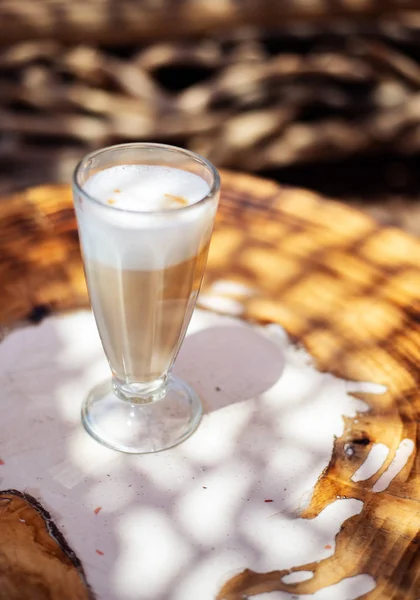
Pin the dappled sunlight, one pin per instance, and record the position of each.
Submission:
(177, 524)
(123, 495)
(204, 577)
(223, 436)
(162, 473)
(152, 554)
(283, 543)
(84, 457)
(209, 512)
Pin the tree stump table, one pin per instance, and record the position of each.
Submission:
(342, 287)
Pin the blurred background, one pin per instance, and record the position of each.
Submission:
(323, 94)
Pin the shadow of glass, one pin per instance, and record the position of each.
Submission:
(228, 364)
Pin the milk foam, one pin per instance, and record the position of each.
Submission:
(147, 232)
(146, 187)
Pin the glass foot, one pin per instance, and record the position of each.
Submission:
(142, 428)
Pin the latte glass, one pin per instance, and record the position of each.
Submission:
(145, 215)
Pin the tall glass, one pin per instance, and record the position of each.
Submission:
(143, 268)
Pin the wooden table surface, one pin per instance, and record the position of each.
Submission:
(345, 287)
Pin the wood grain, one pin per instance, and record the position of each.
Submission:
(35, 561)
(342, 285)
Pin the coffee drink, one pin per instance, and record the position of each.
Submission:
(145, 240)
(142, 315)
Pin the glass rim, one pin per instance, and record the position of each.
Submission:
(214, 188)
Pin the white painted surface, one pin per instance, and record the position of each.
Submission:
(176, 525)
(232, 288)
(222, 304)
(403, 453)
(297, 577)
(374, 461)
(226, 297)
(366, 387)
(350, 588)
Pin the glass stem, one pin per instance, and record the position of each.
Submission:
(138, 392)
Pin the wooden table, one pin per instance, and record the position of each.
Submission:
(339, 283)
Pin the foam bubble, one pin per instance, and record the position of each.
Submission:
(148, 232)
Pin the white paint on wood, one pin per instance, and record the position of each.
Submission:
(373, 463)
(178, 524)
(222, 304)
(231, 288)
(297, 577)
(403, 453)
(350, 588)
(365, 387)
